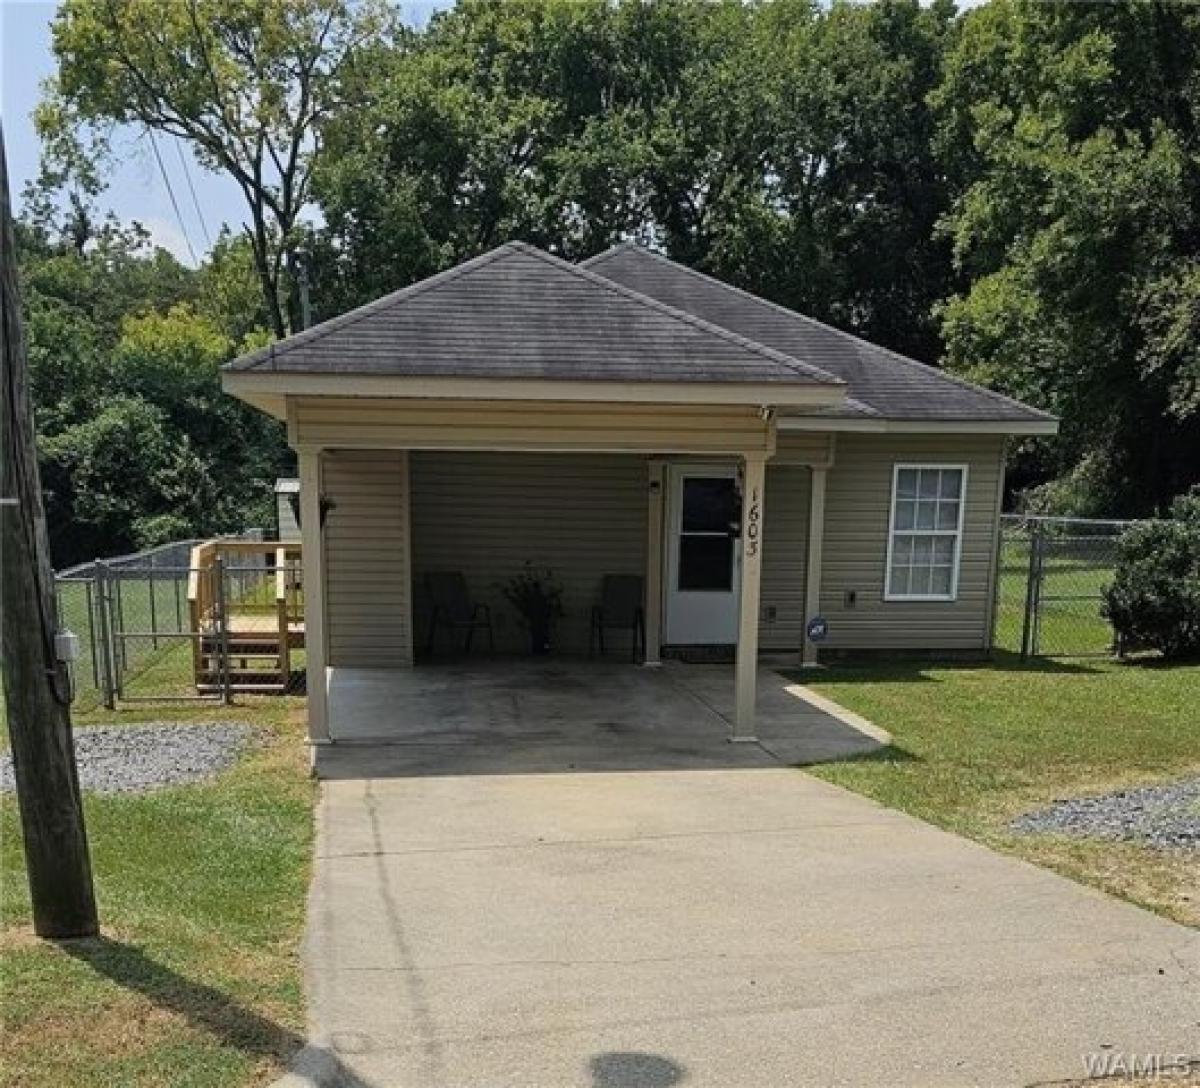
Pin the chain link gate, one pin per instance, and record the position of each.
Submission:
(148, 645)
(1052, 576)
(192, 620)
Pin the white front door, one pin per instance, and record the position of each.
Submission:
(703, 556)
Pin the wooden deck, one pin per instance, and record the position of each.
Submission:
(249, 624)
(260, 581)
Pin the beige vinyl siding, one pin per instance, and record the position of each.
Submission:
(785, 557)
(486, 514)
(357, 422)
(856, 531)
(367, 561)
(797, 448)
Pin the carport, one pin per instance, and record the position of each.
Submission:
(515, 716)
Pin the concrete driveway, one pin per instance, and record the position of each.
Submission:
(703, 924)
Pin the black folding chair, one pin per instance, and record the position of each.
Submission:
(451, 606)
(620, 607)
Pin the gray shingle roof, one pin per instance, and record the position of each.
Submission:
(520, 313)
(889, 385)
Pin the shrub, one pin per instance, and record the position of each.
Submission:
(1155, 597)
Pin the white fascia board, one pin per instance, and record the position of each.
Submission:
(918, 426)
(264, 388)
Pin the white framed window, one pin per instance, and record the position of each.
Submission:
(925, 532)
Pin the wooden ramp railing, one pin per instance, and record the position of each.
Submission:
(246, 606)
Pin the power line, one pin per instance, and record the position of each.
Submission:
(171, 193)
(187, 173)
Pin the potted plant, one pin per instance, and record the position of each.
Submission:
(537, 597)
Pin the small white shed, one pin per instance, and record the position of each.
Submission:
(287, 509)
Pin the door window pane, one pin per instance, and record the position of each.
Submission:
(709, 504)
(706, 562)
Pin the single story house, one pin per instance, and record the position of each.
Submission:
(613, 417)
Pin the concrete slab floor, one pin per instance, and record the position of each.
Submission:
(510, 716)
(704, 917)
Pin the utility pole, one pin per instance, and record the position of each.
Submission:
(36, 685)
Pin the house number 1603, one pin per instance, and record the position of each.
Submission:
(753, 520)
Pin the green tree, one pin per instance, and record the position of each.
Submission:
(138, 443)
(500, 121)
(1078, 231)
(244, 82)
(785, 147)
(819, 188)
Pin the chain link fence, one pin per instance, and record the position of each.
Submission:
(1053, 573)
(142, 635)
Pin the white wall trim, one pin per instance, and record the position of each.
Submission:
(312, 555)
(656, 487)
(812, 574)
(993, 588)
(917, 426)
(746, 662)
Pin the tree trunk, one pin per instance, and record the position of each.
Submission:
(35, 683)
(262, 266)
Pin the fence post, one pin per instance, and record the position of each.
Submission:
(89, 587)
(104, 621)
(1039, 584)
(223, 630)
(120, 647)
(153, 608)
(1030, 592)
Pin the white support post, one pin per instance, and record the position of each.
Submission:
(816, 542)
(655, 492)
(746, 670)
(313, 558)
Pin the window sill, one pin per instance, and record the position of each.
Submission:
(900, 598)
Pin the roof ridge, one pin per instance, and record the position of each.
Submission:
(608, 254)
(776, 356)
(964, 383)
(340, 321)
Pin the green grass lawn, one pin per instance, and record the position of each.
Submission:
(196, 980)
(975, 745)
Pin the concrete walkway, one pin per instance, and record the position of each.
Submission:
(703, 924)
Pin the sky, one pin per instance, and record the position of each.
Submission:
(137, 189)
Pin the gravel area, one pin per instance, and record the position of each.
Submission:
(137, 758)
(1163, 816)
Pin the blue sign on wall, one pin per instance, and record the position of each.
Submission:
(817, 629)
